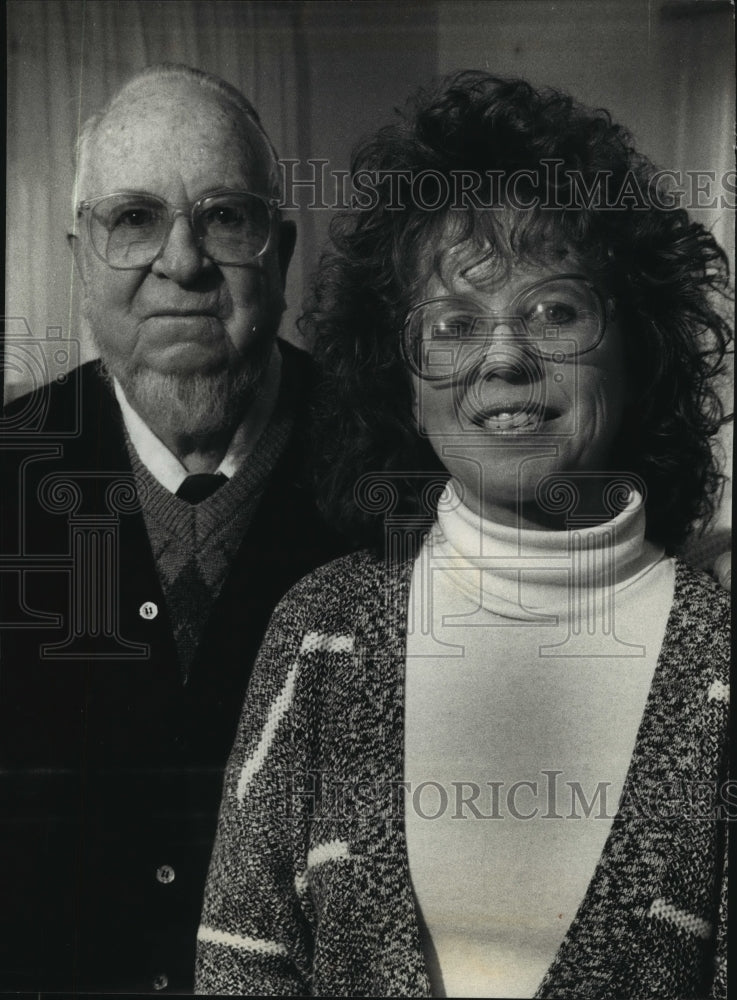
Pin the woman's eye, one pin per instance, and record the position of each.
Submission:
(553, 314)
(455, 327)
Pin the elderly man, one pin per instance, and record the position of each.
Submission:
(157, 535)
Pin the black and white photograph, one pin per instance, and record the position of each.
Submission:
(366, 471)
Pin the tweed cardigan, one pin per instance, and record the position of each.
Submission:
(309, 890)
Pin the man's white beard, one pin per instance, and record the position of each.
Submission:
(197, 405)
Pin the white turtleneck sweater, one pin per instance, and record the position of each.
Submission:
(529, 660)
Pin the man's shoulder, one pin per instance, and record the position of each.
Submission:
(72, 423)
(61, 405)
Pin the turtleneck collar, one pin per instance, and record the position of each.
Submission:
(524, 574)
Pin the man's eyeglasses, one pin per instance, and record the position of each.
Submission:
(129, 230)
(560, 317)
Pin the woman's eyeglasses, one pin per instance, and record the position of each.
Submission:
(558, 318)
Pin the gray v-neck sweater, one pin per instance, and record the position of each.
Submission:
(309, 889)
(194, 545)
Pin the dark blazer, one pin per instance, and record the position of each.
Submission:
(110, 767)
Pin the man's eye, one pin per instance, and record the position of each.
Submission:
(224, 216)
(133, 218)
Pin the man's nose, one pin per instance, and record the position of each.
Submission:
(181, 259)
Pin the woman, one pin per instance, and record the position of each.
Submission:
(484, 757)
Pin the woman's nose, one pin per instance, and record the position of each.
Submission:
(505, 353)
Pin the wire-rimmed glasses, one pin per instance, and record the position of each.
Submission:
(559, 317)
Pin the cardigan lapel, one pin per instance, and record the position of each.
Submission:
(381, 647)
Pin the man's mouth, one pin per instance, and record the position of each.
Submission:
(179, 326)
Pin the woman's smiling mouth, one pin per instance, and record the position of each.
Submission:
(512, 418)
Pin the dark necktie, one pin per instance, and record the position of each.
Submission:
(200, 486)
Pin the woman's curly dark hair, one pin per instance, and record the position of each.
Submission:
(667, 273)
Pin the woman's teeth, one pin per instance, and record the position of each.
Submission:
(513, 420)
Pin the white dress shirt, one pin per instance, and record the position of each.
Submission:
(164, 465)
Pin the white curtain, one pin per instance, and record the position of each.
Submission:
(698, 98)
(65, 59)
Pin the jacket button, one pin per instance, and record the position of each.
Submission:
(165, 874)
(148, 610)
(160, 982)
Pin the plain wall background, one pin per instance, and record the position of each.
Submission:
(323, 74)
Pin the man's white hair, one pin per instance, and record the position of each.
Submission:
(241, 106)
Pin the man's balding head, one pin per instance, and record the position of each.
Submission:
(164, 82)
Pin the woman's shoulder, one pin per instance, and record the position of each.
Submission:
(353, 603)
(699, 626)
(357, 571)
(339, 590)
(699, 595)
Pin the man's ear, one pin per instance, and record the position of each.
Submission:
(75, 246)
(287, 239)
